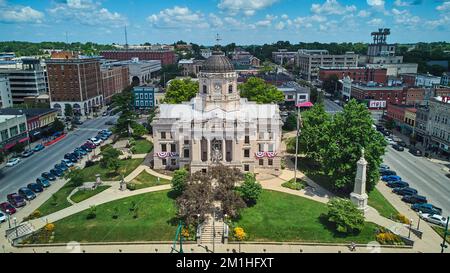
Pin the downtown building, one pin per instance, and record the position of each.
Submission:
(13, 130)
(27, 78)
(77, 82)
(310, 62)
(5, 93)
(115, 78)
(166, 57)
(356, 74)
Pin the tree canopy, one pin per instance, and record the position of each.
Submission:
(180, 91)
(256, 89)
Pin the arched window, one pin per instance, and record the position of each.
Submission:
(230, 89)
(205, 89)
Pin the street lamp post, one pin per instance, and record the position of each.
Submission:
(410, 227)
(7, 215)
(296, 140)
(15, 226)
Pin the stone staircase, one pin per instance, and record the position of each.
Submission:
(209, 228)
(23, 230)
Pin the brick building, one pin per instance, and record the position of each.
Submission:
(76, 82)
(390, 94)
(356, 74)
(415, 96)
(115, 78)
(165, 56)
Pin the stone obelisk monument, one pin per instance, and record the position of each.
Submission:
(359, 196)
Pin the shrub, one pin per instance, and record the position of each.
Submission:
(291, 184)
(239, 234)
(179, 181)
(92, 214)
(403, 219)
(131, 186)
(388, 238)
(185, 232)
(250, 190)
(50, 227)
(346, 217)
(115, 213)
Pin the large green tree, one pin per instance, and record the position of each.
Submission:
(256, 89)
(250, 190)
(181, 90)
(349, 133)
(345, 216)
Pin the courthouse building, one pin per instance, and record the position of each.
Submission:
(218, 127)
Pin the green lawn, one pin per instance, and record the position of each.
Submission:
(381, 204)
(440, 231)
(142, 146)
(155, 221)
(284, 217)
(126, 166)
(145, 180)
(51, 205)
(85, 194)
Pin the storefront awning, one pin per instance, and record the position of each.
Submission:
(304, 104)
(23, 139)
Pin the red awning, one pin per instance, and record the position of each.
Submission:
(304, 104)
(23, 139)
(9, 145)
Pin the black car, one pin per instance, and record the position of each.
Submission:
(387, 172)
(398, 147)
(43, 182)
(35, 187)
(397, 184)
(16, 200)
(72, 157)
(48, 176)
(415, 151)
(414, 199)
(27, 193)
(404, 191)
(402, 143)
(57, 172)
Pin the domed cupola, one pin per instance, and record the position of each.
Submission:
(217, 63)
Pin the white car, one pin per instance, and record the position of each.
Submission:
(96, 141)
(434, 219)
(2, 217)
(67, 162)
(390, 141)
(13, 162)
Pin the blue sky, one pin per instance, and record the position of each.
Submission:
(239, 21)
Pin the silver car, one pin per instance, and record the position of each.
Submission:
(434, 219)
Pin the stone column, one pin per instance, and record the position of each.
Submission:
(359, 196)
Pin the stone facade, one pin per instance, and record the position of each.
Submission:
(218, 127)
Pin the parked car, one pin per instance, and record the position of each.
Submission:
(415, 151)
(106, 131)
(387, 173)
(73, 158)
(86, 148)
(90, 145)
(102, 137)
(27, 193)
(2, 217)
(57, 172)
(96, 141)
(384, 167)
(404, 191)
(39, 147)
(12, 162)
(397, 184)
(43, 182)
(48, 176)
(390, 141)
(434, 218)
(16, 200)
(67, 162)
(27, 153)
(391, 178)
(398, 147)
(35, 187)
(105, 114)
(7, 208)
(81, 151)
(61, 167)
(427, 208)
(402, 143)
(414, 199)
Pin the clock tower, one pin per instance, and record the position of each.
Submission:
(218, 82)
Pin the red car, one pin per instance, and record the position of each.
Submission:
(90, 145)
(5, 206)
(16, 200)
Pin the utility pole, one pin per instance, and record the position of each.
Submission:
(296, 139)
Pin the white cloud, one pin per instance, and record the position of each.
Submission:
(280, 26)
(376, 22)
(19, 14)
(178, 17)
(215, 20)
(405, 18)
(376, 3)
(332, 7)
(444, 7)
(284, 16)
(364, 13)
(248, 7)
(400, 3)
(263, 23)
(87, 12)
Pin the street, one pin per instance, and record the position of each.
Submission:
(331, 107)
(425, 176)
(13, 178)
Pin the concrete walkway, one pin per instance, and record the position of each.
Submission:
(147, 169)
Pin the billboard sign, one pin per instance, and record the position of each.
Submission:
(377, 104)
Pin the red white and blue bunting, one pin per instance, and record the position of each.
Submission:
(265, 154)
(167, 154)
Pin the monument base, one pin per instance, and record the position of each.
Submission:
(360, 200)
